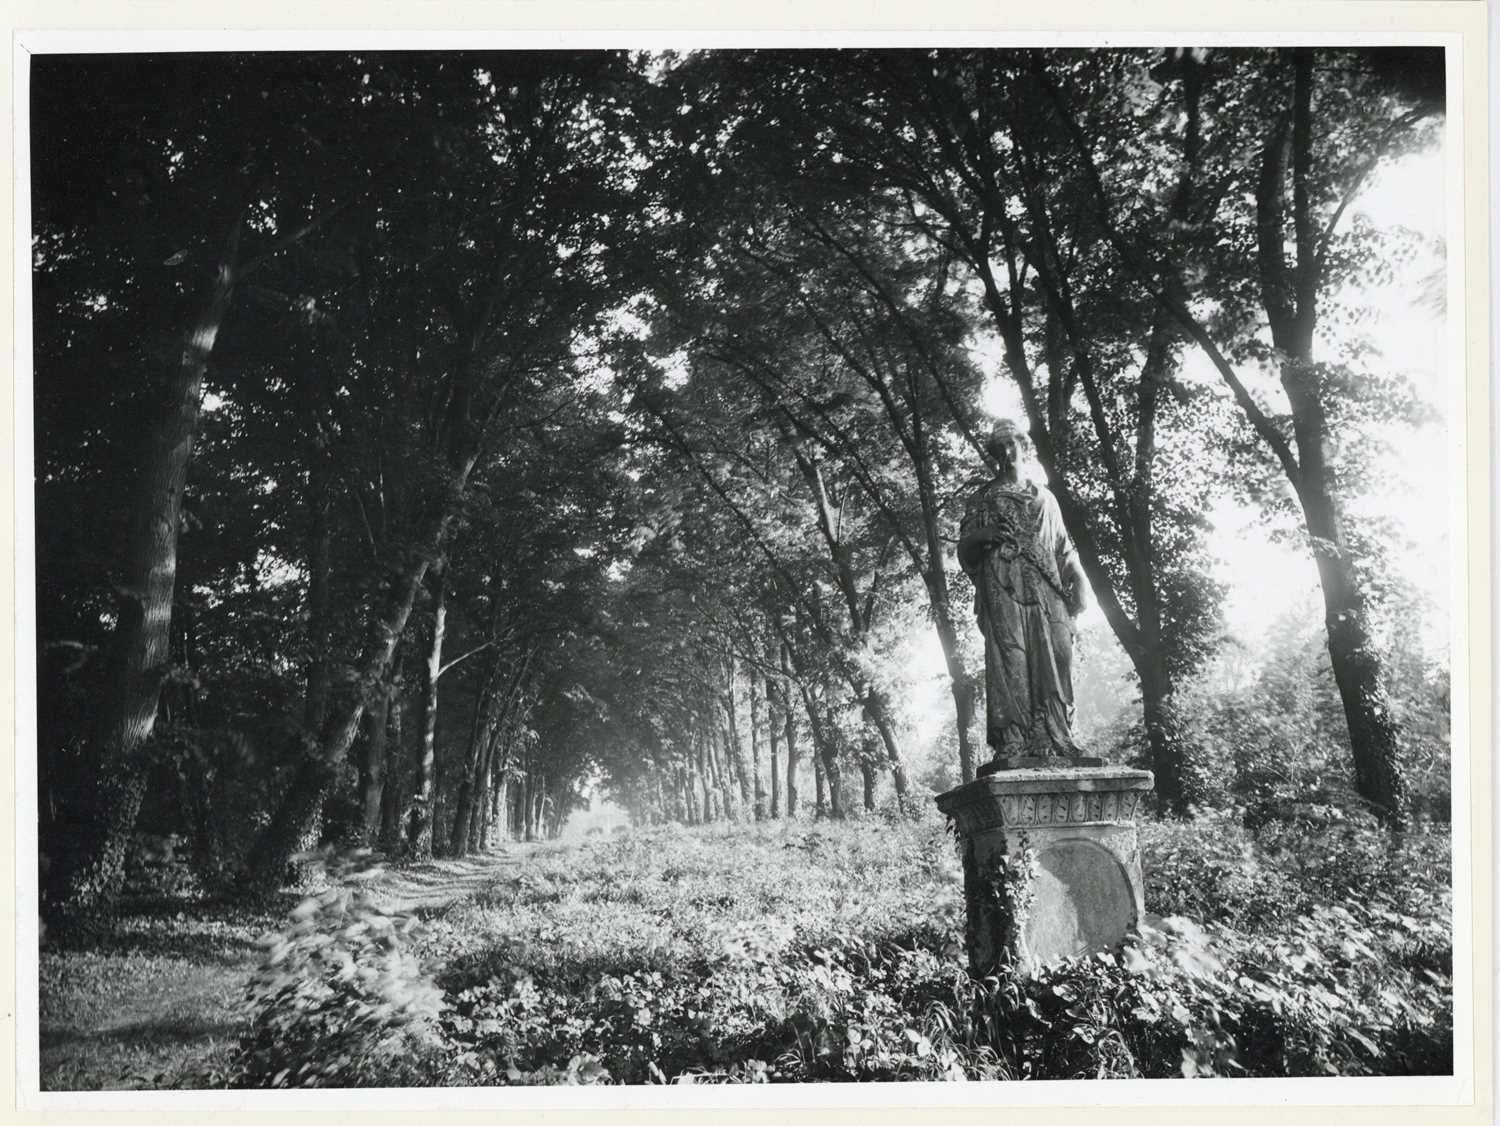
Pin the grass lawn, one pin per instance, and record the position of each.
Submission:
(162, 992)
(163, 989)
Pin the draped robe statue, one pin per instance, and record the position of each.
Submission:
(1028, 588)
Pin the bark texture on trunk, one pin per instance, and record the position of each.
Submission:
(773, 732)
(479, 819)
(829, 776)
(878, 712)
(820, 788)
(107, 802)
(390, 798)
(373, 766)
(1374, 734)
(705, 779)
(1289, 292)
(419, 834)
(298, 809)
(962, 685)
(789, 718)
(735, 745)
(1164, 745)
(760, 790)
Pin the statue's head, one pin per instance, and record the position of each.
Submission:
(1007, 445)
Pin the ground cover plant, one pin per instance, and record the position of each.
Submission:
(156, 991)
(817, 952)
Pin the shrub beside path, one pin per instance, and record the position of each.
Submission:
(162, 989)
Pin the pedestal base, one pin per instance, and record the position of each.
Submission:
(1036, 762)
(1052, 864)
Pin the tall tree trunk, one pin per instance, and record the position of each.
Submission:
(527, 811)
(1374, 735)
(878, 712)
(482, 829)
(1163, 732)
(469, 796)
(494, 785)
(320, 614)
(718, 759)
(773, 732)
(479, 834)
(760, 790)
(1290, 296)
(789, 716)
(419, 835)
(705, 778)
(277, 842)
(108, 799)
(859, 625)
(528, 799)
(735, 746)
(479, 819)
(826, 755)
(687, 795)
(728, 762)
(273, 849)
(390, 797)
(482, 733)
(372, 767)
(270, 857)
(820, 789)
(474, 840)
(501, 808)
(319, 594)
(962, 684)
(935, 579)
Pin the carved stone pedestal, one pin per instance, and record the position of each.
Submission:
(1052, 864)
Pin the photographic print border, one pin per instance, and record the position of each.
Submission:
(1452, 25)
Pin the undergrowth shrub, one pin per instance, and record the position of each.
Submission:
(820, 953)
(340, 998)
(1315, 955)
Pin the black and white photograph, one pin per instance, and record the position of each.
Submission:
(566, 565)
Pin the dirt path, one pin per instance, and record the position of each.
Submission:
(435, 884)
(164, 990)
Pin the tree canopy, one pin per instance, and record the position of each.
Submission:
(428, 442)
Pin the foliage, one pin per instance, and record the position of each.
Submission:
(829, 955)
(1274, 741)
(796, 952)
(341, 1000)
(681, 386)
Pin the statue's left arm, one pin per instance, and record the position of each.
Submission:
(1075, 582)
(1069, 567)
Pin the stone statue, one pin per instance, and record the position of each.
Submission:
(1029, 587)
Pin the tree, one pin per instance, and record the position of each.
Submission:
(520, 208)
(951, 140)
(157, 247)
(1300, 167)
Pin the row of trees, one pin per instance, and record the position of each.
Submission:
(493, 420)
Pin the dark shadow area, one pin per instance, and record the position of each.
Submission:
(166, 1033)
(219, 931)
